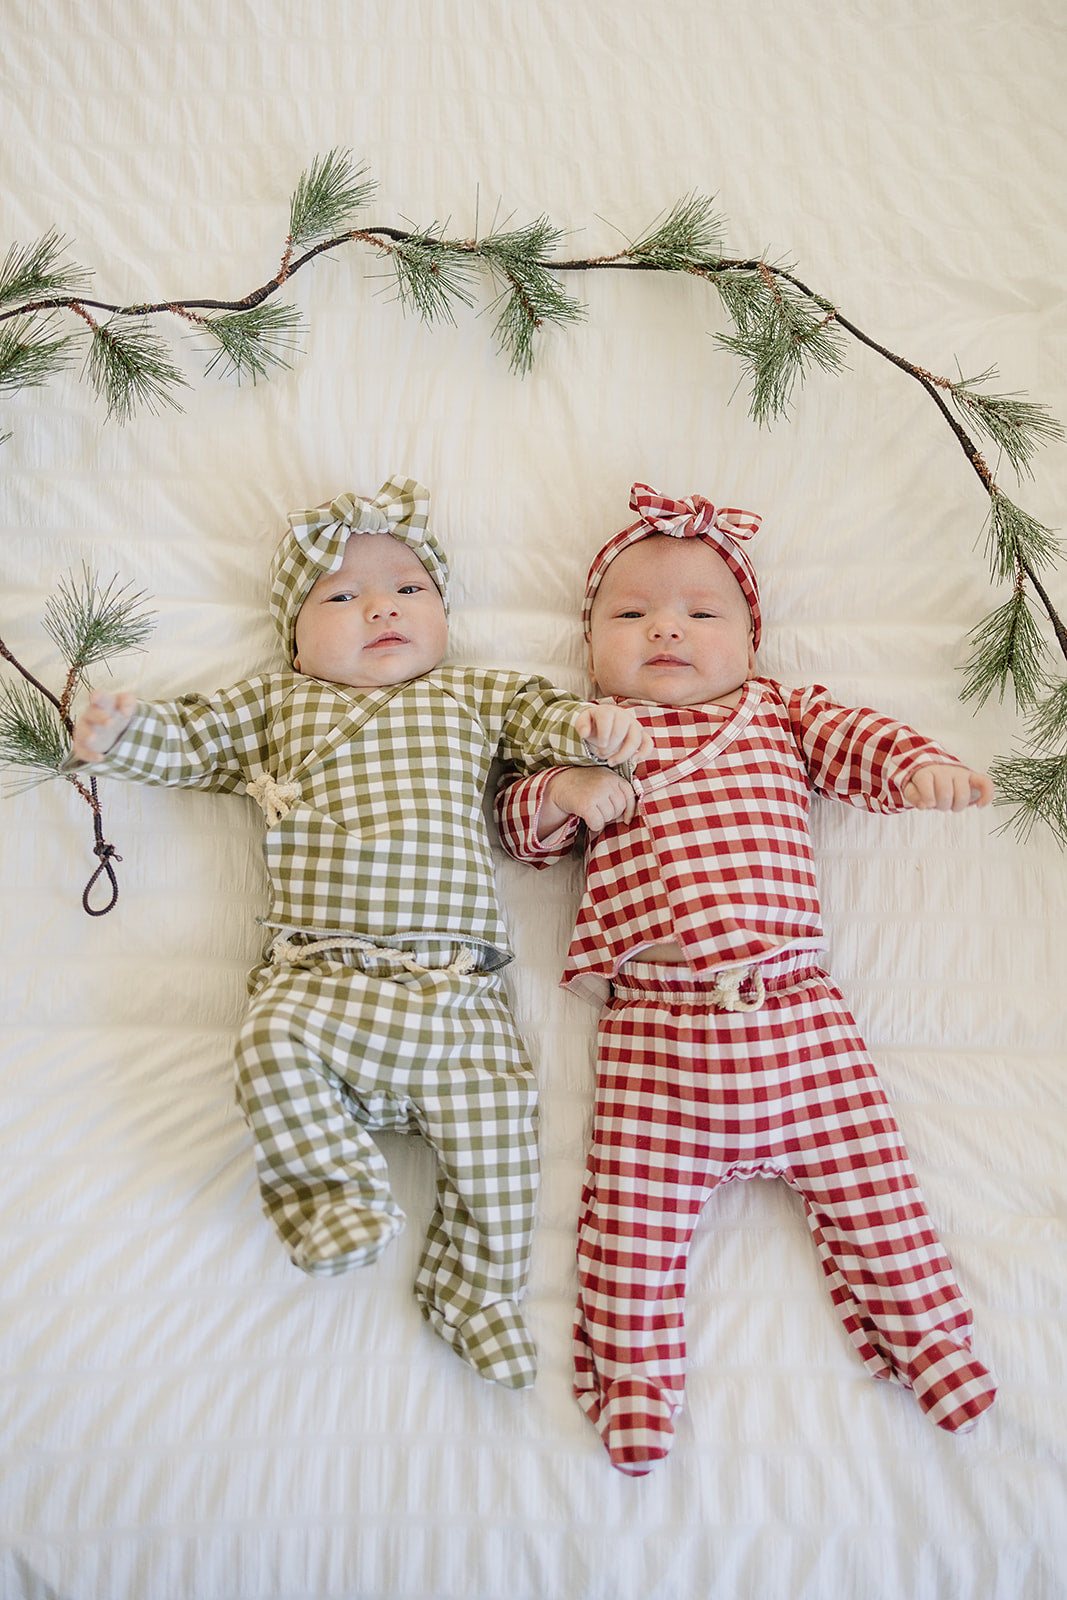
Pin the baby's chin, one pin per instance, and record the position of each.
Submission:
(676, 695)
(355, 677)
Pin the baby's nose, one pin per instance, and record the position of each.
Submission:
(665, 627)
(380, 605)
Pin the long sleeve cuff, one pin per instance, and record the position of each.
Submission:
(517, 806)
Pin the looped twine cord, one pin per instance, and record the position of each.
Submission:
(106, 854)
(726, 995)
(275, 799)
(286, 951)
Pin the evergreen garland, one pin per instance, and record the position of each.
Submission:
(782, 329)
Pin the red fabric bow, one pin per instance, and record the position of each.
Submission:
(688, 519)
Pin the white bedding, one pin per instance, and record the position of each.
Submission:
(184, 1416)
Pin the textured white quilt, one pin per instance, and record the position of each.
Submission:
(183, 1415)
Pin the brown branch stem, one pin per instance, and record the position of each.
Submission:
(37, 684)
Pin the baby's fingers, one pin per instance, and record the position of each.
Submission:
(947, 788)
(635, 745)
(613, 805)
(612, 733)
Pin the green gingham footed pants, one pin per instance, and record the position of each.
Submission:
(353, 1041)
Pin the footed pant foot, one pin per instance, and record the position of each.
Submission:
(950, 1384)
(494, 1341)
(636, 1424)
(342, 1238)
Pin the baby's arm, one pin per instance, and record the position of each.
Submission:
(941, 786)
(104, 720)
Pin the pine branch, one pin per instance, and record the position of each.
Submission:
(87, 625)
(128, 367)
(251, 343)
(1008, 647)
(34, 272)
(1016, 426)
(326, 198)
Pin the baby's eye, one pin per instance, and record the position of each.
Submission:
(630, 615)
(410, 588)
(344, 596)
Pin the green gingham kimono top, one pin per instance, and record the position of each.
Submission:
(373, 797)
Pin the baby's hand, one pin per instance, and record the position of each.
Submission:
(940, 787)
(594, 794)
(612, 733)
(104, 720)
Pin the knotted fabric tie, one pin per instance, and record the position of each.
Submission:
(400, 507)
(726, 993)
(689, 519)
(276, 799)
(288, 952)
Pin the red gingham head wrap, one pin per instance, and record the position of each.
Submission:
(695, 518)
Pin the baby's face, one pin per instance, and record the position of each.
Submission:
(670, 625)
(379, 619)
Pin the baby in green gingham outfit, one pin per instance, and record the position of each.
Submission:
(379, 1003)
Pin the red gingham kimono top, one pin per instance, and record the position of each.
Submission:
(718, 856)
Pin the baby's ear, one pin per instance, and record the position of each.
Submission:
(296, 663)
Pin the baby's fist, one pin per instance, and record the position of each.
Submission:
(942, 786)
(104, 720)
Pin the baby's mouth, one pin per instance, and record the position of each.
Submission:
(385, 639)
(666, 661)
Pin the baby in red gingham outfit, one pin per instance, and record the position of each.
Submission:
(724, 1051)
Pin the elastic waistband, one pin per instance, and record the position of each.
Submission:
(737, 988)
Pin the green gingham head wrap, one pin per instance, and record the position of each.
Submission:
(315, 543)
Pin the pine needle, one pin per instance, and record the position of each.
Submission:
(34, 272)
(1037, 788)
(326, 198)
(690, 235)
(1008, 646)
(432, 276)
(28, 357)
(532, 296)
(1018, 427)
(31, 733)
(1048, 724)
(745, 296)
(90, 622)
(128, 367)
(1016, 538)
(780, 336)
(250, 343)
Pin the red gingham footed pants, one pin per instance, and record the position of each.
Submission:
(688, 1097)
